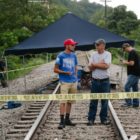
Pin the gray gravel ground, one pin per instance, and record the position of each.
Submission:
(48, 130)
(129, 117)
(8, 117)
(35, 79)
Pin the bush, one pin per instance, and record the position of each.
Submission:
(16, 62)
(117, 54)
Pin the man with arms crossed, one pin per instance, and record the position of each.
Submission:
(99, 64)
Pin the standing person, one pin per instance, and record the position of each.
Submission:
(2, 75)
(99, 64)
(66, 67)
(133, 73)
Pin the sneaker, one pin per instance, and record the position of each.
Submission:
(61, 125)
(105, 122)
(68, 122)
(132, 137)
(90, 123)
(135, 106)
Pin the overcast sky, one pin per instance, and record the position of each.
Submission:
(133, 5)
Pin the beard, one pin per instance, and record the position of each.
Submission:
(71, 49)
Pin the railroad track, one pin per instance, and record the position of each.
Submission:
(129, 118)
(36, 125)
(31, 118)
(48, 129)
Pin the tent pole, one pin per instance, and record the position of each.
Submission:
(24, 74)
(7, 74)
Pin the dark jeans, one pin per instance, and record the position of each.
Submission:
(132, 82)
(99, 87)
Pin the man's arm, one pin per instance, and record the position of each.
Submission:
(57, 70)
(91, 68)
(103, 66)
(129, 63)
(132, 59)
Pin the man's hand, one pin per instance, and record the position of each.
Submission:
(100, 66)
(91, 67)
(57, 70)
(124, 62)
(130, 63)
(68, 73)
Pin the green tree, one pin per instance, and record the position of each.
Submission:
(19, 20)
(122, 21)
(135, 35)
(83, 8)
(10, 13)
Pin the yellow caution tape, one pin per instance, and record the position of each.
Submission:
(26, 68)
(77, 96)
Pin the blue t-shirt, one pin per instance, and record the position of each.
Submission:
(67, 63)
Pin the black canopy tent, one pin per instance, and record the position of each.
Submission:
(51, 38)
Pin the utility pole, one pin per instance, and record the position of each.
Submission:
(105, 12)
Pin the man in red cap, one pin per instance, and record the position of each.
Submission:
(65, 66)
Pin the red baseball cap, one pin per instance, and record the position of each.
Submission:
(70, 42)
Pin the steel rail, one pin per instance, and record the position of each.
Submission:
(40, 117)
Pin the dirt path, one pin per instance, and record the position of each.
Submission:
(35, 79)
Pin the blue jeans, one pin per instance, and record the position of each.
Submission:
(99, 87)
(132, 82)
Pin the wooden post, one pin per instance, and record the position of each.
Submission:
(7, 74)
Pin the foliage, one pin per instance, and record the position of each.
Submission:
(11, 38)
(117, 54)
(135, 35)
(98, 17)
(121, 21)
(21, 19)
(82, 8)
(19, 64)
(7, 39)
